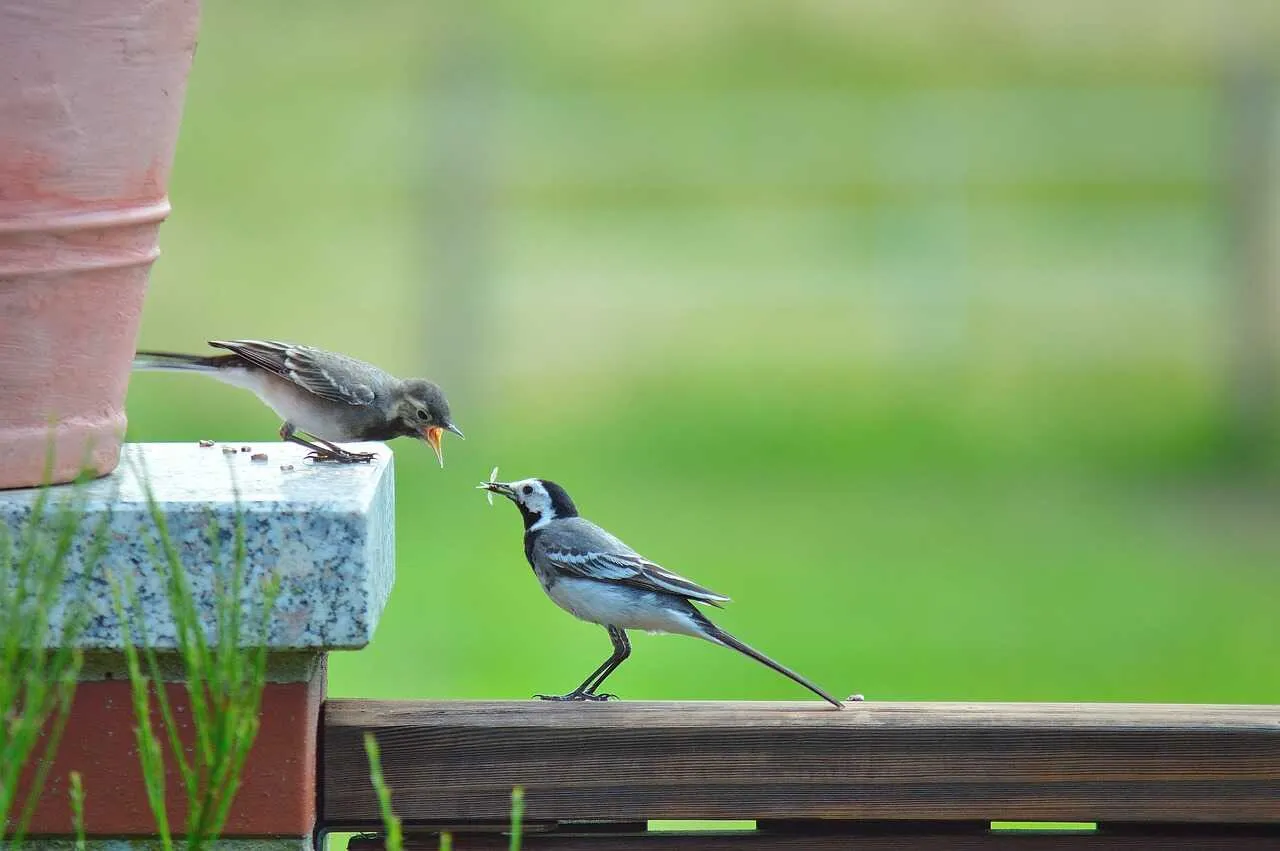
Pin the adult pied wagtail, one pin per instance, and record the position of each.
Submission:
(326, 396)
(597, 578)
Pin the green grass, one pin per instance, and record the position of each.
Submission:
(224, 667)
(928, 377)
(390, 821)
(76, 793)
(39, 670)
(903, 554)
(40, 666)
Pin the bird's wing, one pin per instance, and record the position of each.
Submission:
(327, 375)
(627, 568)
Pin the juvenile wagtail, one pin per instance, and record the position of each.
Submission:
(323, 396)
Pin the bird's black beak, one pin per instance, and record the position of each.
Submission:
(453, 428)
(497, 487)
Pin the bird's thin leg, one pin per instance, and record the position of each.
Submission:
(621, 650)
(318, 453)
(329, 452)
(581, 693)
(329, 444)
(357, 456)
(587, 691)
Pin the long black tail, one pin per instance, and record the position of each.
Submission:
(718, 635)
(172, 362)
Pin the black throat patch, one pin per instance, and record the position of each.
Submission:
(529, 517)
(530, 538)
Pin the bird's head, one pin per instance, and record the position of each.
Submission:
(424, 414)
(539, 500)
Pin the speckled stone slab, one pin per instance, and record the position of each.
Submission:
(327, 530)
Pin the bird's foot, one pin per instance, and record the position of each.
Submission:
(575, 696)
(341, 456)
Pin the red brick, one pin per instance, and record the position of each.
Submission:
(277, 795)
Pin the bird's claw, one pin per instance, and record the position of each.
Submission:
(343, 457)
(576, 696)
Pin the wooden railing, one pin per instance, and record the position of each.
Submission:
(877, 775)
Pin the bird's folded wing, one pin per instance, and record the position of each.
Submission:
(315, 371)
(629, 569)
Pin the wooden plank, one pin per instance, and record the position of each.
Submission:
(914, 838)
(457, 761)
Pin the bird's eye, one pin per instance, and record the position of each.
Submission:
(422, 415)
(527, 490)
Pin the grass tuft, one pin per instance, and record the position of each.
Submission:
(40, 664)
(223, 677)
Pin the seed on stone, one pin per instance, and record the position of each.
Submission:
(260, 457)
(286, 467)
(205, 444)
(228, 450)
(246, 448)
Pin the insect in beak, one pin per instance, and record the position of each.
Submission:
(494, 486)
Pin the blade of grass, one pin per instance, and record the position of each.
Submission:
(390, 821)
(224, 679)
(150, 756)
(77, 809)
(517, 818)
(65, 692)
(37, 684)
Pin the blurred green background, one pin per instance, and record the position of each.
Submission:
(942, 337)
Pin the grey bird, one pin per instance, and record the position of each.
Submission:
(597, 578)
(325, 396)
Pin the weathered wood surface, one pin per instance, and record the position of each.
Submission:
(922, 839)
(456, 762)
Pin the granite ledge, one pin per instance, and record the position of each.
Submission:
(327, 530)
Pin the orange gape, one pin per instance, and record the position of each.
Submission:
(89, 111)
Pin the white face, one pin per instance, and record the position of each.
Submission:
(533, 496)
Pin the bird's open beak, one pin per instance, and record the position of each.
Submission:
(431, 434)
(453, 428)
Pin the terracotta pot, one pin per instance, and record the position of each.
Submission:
(91, 97)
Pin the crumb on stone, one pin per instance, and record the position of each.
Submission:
(286, 467)
(260, 457)
(205, 444)
(246, 448)
(228, 450)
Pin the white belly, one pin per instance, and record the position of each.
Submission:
(621, 606)
(291, 403)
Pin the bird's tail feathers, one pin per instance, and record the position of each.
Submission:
(719, 636)
(172, 362)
